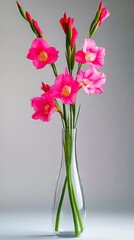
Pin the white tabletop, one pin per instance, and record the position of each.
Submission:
(37, 226)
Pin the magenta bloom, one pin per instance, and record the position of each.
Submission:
(104, 14)
(65, 88)
(67, 25)
(91, 54)
(91, 80)
(44, 106)
(41, 53)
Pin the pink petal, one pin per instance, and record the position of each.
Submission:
(80, 57)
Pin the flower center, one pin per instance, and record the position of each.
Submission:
(90, 56)
(46, 109)
(86, 83)
(42, 56)
(66, 90)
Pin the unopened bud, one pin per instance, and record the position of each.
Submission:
(45, 87)
(37, 28)
(29, 17)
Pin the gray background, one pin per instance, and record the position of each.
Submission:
(30, 151)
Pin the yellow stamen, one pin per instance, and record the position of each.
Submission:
(86, 83)
(66, 90)
(46, 109)
(42, 56)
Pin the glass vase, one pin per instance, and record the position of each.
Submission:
(69, 204)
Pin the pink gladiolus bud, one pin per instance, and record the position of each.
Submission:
(70, 23)
(21, 10)
(67, 25)
(37, 28)
(104, 13)
(29, 17)
(18, 4)
(64, 22)
(45, 87)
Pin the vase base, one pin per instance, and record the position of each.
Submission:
(66, 234)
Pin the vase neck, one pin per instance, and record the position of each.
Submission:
(69, 146)
(69, 137)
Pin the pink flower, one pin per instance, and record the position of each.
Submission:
(67, 25)
(41, 53)
(65, 88)
(91, 80)
(91, 54)
(103, 15)
(44, 106)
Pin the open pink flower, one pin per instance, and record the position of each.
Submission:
(44, 106)
(41, 53)
(103, 15)
(91, 54)
(65, 88)
(91, 80)
(67, 25)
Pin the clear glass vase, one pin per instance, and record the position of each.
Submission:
(68, 211)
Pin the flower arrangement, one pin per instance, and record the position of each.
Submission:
(67, 86)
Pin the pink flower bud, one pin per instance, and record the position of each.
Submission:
(37, 28)
(19, 6)
(101, 5)
(29, 17)
(45, 87)
(104, 13)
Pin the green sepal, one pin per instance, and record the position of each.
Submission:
(93, 31)
(79, 67)
(97, 16)
(32, 27)
(68, 62)
(23, 14)
(72, 57)
(68, 50)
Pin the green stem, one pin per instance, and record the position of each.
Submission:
(71, 116)
(79, 67)
(65, 115)
(72, 189)
(77, 116)
(68, 157)
(77, 210)
(60, 205)
(68, 145)
(74, 113)
(72, 205)
(54, 69)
